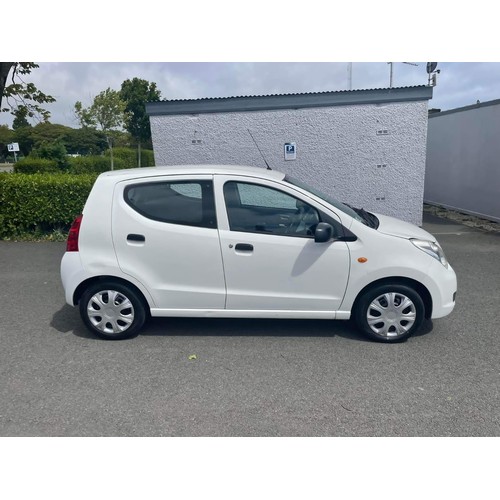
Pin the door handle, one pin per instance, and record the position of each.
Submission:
(136, 237)
(244, 247)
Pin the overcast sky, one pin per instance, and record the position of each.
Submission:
(263, 30)
(459, 84)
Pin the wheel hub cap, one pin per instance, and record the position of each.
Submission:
(110, 311)
(391, 314)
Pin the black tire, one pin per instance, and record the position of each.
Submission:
(121, 319)
(399, 307)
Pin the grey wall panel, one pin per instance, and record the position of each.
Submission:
(463, 161)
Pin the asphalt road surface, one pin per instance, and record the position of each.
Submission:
(250, 377)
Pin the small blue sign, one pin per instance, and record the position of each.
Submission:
(290, 151)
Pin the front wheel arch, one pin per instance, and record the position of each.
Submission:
(389, 312)
(400, 280)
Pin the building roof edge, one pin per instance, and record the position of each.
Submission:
(288, 101)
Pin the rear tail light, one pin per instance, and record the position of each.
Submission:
(74, 232)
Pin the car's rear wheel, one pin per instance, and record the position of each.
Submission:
(112, 311)
(389, 312)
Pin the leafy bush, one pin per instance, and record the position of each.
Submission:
(93, 164)
(123, 158)
(52, 150)
(41, 201)
(129, 157)
(31, 165)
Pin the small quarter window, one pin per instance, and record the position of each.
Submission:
(189, 203)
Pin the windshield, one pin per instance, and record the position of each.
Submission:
(337, 204)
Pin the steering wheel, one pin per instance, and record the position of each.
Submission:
(304, 211)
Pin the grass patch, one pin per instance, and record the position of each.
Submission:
(38, 235)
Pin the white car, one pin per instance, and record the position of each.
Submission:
(244, 242)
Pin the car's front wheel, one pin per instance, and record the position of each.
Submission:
(389, 312)
(112, 311)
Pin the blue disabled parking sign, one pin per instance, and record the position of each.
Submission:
(290, 151)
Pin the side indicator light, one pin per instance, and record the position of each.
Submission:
(362, 260)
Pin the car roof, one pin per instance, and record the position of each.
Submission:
(132, 173)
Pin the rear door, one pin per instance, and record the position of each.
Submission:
(165, 236)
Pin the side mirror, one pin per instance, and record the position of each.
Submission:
(323, 232)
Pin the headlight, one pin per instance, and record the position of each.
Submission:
(432, 248)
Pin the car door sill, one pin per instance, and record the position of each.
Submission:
(232, 313)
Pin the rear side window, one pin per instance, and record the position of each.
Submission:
(189, 203)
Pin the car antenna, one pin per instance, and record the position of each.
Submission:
(263, 157)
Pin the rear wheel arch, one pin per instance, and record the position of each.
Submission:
(96, 279)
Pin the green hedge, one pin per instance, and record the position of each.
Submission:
(41, 201)
(93, 164)
(129, 157)
(123, 158)
(36, 165)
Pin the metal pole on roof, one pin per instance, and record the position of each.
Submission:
(349, 74)
(391, 72)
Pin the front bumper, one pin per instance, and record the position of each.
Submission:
(444, 292)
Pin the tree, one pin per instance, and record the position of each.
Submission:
(106, 112)
(136, 93)
(22, 98)
(20, 119)
(50, 132)
(29, 137)
(84, 115)
(24, 136)
(6, 137)
(85, 141)
(5, 68)
(52, 150)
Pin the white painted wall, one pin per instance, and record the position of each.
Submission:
(338, 149)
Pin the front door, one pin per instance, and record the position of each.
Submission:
(271, 261)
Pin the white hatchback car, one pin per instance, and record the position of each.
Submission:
(243, 242)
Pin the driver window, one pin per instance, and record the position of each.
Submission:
(260, 209)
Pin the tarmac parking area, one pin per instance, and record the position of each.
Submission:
(250, 377)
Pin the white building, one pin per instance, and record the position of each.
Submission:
(364, 147)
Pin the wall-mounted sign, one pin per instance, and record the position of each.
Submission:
(290, 151)
(13, 146)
